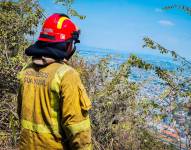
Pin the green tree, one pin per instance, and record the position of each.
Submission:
(69, 10)
(119, 114)
(18, 22)
(177, 89)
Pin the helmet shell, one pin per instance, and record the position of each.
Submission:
(57, 28)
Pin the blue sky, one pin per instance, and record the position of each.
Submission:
(122, 24)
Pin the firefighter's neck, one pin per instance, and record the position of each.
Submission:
(65, 61)
(43, 60)
(46, 61)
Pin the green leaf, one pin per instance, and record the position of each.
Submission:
(76, 14)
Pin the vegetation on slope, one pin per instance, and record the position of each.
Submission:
(121, 112)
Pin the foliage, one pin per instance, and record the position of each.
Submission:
(119, 116)
(184, 8)
(18, 22)
(122, 112)
(69, 10)
(176, 93)
(154, 45)
(179, 95)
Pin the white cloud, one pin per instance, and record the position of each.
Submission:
(158, 10)
(166, 23)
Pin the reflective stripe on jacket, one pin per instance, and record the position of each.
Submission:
(53, 108)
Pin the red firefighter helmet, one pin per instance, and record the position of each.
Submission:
(59, 28)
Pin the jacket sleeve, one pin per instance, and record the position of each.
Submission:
(75, 106)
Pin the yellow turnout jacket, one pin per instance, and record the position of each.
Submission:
(53, 109)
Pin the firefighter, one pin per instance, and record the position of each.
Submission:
(52, 102)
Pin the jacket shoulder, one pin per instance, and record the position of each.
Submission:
(65, 69)
(59, 75)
